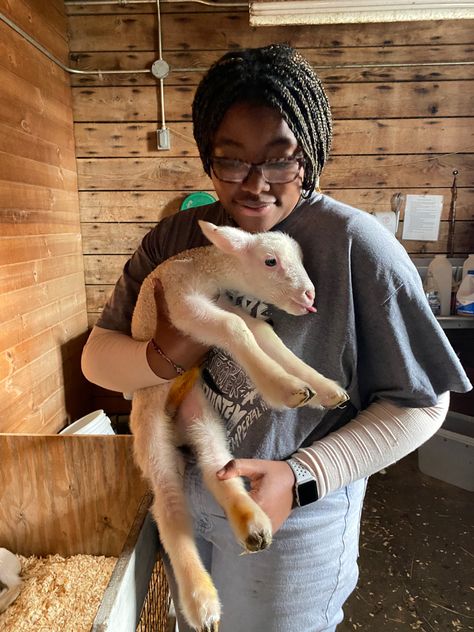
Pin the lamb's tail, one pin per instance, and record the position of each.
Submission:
(180, 388)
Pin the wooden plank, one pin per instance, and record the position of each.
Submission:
(26, 350)
(24, 60)
(16, 222)
(17, 90)
(166, 6)
(463, 240)
(87, 484)
(113, 238)
(229, 30)
(22, 196)
(45, 295)
(398, 171)
(18, 169)
(24, 145)
(103, 269)
(35, 411)
(324, 61)
(41, 21)
(392, 171)
(128, 206)
(38, 125)
(348, 101)
(16, 276)
(150, 206)
(351, 137)
(97, 296)
(115, 174)
(36, 320)
(131, 139)
(379, 199)
(16, 249)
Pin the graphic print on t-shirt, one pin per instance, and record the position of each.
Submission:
(227, 386)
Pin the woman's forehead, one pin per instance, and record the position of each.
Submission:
(249, 124)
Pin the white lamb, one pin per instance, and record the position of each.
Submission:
(267, 266)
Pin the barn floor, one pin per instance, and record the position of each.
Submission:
(417, 556)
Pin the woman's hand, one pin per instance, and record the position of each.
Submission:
(271, 485)
(181, 349)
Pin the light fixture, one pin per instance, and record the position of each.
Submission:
(278, 12)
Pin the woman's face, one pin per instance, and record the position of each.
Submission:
(255, 133)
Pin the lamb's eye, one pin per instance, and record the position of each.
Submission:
(270, 262)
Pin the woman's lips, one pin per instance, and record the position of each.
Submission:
(255, 205)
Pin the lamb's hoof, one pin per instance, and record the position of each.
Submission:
(337, 401)
(258, 541)
(200, 603)
(302, 397)
(212, 627)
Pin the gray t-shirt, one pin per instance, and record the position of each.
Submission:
(373, 332)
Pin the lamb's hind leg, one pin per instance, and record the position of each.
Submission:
(250, 524)
(159, 460)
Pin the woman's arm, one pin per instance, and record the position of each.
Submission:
(115, 361)
(380, 435)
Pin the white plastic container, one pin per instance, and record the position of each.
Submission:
(467, 265)
(94, 423)
(449, 455)
(442, 271)
(465, 295)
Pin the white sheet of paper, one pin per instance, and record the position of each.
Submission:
(422, 217)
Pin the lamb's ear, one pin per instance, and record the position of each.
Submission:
(227, 238)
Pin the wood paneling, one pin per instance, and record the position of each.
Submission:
(42, 302)
(348, 101)
(205, 29)
(351, 137)
(323, 59)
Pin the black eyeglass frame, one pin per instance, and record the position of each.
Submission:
(295, 159)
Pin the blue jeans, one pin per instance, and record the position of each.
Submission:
(300, 583)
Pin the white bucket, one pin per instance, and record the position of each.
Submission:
(93, 423)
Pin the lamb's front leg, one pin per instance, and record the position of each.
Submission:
(156, 454)
(204, 430)
(328, 393)
(204, 321)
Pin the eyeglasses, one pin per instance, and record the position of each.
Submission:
(280, 171)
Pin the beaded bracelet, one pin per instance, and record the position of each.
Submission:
(179, 369)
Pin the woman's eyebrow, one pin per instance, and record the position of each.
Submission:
(282, 141)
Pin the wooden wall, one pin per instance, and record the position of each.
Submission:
(42, 297)
(396, 129)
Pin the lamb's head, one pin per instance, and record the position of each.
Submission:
(267, 265)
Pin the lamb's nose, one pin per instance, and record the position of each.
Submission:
(310, 295)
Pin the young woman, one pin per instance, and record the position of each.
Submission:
(262, 124)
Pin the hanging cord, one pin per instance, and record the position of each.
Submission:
(452, 214)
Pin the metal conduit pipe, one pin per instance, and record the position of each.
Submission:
(208, 3)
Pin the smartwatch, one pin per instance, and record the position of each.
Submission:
(305, 489)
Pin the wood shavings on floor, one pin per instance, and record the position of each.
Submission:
(58, 593)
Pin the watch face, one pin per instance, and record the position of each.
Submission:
(307, 493)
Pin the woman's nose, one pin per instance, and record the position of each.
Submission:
(255, 182)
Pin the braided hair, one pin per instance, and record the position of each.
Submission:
(276, 76)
